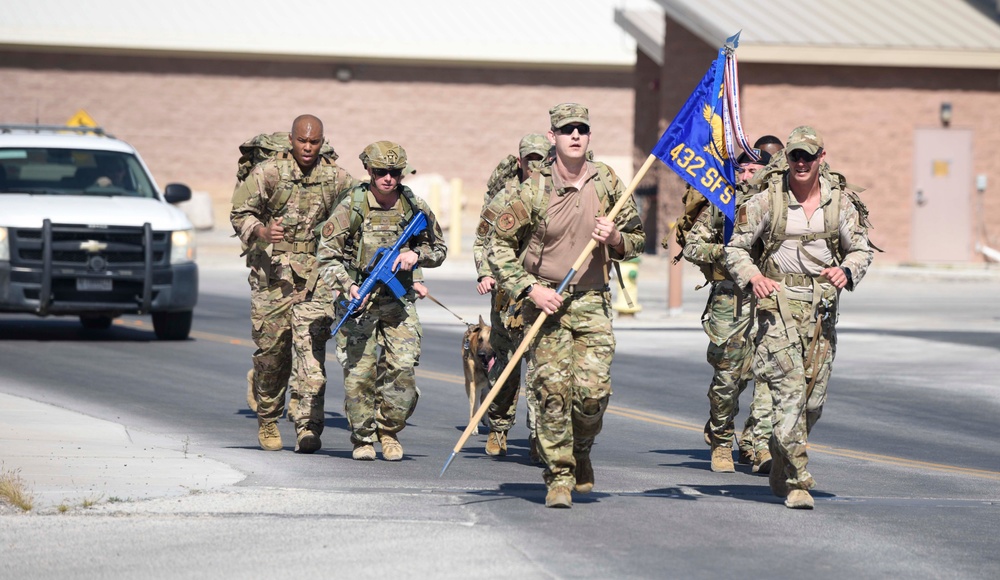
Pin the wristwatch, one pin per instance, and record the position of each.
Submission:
(527, 290)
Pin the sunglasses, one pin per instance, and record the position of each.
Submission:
(568, 129)
(800, 155)
(395, 173)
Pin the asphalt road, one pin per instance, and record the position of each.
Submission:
(905, 456)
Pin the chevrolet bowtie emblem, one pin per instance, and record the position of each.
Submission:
(93, 246)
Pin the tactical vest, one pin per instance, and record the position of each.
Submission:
(369, 231)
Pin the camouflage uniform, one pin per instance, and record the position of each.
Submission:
(787, 331)
(279, 281)
(569, 360)
(726, 321)
(377, 400)
(505, 313)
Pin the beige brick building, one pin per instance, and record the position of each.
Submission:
(906, 95)
(456, 83)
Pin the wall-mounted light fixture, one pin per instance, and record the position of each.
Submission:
(344, 74)
(945, 114)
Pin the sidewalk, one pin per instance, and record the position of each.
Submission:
(67, 458)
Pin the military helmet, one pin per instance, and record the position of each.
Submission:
(384, 155)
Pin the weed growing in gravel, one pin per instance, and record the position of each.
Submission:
(14, 490)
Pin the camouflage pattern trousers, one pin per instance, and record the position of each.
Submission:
(726, 321)
(271, 320)
(569, 372)
(785, 364)
(380, 395)
(311, 321)
(502, 412)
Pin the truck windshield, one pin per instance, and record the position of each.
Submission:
(52, 171)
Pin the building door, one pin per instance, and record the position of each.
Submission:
(942, 229)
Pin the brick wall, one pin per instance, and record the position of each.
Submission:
(868, 117)
(188, 116)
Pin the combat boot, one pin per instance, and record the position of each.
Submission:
(496, 443)
(306, 439)
(268, 435)
(746, 456)
(584, 474)
(776, 477)
(762, 462)
(363, 452)
(799, 499)
(559, 496)
(722, 459)
(391, 449)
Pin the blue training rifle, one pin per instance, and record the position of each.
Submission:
(380, 268)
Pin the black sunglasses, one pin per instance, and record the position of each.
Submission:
(379, 172)
(568, 129)
(800, 155)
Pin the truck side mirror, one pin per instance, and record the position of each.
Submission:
(176, 193)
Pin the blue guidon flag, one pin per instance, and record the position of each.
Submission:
(698, 144)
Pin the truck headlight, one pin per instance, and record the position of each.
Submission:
(4, 245)
(182, 246)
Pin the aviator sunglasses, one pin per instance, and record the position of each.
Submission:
(378, 172)
(568, 129)
(800, 155)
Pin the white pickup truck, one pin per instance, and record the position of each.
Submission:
(85, 231)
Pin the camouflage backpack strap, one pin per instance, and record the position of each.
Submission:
(605, 186)
(286, 171)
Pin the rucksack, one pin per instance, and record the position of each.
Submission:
(267, 145)
(273, 146)
(694, 204)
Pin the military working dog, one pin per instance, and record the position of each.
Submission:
(477, 360)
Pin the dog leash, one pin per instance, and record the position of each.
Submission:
(435, 300)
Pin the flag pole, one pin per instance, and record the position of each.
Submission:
(516, 357)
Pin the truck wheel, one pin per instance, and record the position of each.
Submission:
(95, 321)
(172, 325)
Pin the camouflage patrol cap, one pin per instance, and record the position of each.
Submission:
(534, 143)
(805, 138)
(384, 155)
(567, 113)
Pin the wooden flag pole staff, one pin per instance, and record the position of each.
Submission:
(541, 318)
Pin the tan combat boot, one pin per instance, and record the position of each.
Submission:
(584, 474)
(776, 477)
(799, 499)
(746, 456)
(722, 459)
(762, 462)
(363, 452)
(559, 496)
(391, 449)
(268, 435)
(496, 443)
(306, 439)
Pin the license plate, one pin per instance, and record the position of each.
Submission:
(93, 284)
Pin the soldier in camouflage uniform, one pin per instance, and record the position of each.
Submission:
(557, 212)
(726, 320)
(279, 205)
(815, 237)
(505, 313)
(377, 403)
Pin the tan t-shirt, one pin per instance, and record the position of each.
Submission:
(789, 257)
(571, 217)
